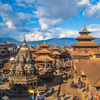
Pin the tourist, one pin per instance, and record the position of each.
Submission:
(57, 83)
(52, 90)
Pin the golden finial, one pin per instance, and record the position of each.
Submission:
(54, 45)
(84, 29)
(24, 40)
(44, 42)
(38, 42)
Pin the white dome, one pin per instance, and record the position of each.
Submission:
(12, 58)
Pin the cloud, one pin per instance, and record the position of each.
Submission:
(10, 25)
(53, 33)
(14, 21)
(4, 31)
(93, 11)
(47, 23)
(68, 33)
(34, 36)
(57, 9)
(84, 3)
(41, 35)
(26, 1)
(95, 29)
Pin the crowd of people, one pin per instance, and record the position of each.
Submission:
(78, 85)
(4, 77)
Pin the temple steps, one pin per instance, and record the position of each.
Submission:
(12, 93)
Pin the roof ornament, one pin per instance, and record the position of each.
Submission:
(38, 42)
(84, 29)
(44, 42)
(24, 40)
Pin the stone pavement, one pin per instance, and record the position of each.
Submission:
(4, 86)
(65, 89)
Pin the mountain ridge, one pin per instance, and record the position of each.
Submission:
(53, 41)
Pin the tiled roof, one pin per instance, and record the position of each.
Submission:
(97, 84)
(31, 49)
(7, 66)
(55, 48)
(44, 45)
(91, 68)
(55, 53)
(43, 51)
(85, 37)
(34, 55)
(43, 58)
(80, 54)
(85, 43)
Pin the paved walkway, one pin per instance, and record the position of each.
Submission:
(4, 86)
(65, 89)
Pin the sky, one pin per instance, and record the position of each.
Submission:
(45, 19)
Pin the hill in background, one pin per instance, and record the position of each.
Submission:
(53, 41)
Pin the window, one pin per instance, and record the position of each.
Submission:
(34, 83)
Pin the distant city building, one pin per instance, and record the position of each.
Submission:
(7, 50)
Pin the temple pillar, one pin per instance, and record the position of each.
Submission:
(45, 66)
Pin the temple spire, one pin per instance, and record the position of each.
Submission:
(84, 29)
(24, 40)
(38, 42)
(44, 42)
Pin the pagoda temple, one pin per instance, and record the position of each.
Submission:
(44, 62)
(83, 48)
(44, 45)
(55, 52)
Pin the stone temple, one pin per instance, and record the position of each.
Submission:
(24, 75)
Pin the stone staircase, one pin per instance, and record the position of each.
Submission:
(11, 93)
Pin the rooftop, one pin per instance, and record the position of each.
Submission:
(86, 44)
(43, 51)
(91, 68)
(44, 45)
(43, 58)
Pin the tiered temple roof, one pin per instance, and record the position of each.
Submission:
(85, 40)
(44, 45)
(31, 49)
(43, 58)
(43, 51)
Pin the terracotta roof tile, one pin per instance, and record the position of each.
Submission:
(55, 53)
(43, 51)
(31, 49)
(91, 69)
(97, 84)
(80, 54)
(85, 43)
(7, 66)
(44, 45)
(34, 55)
(43, 58)
(85, 37)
